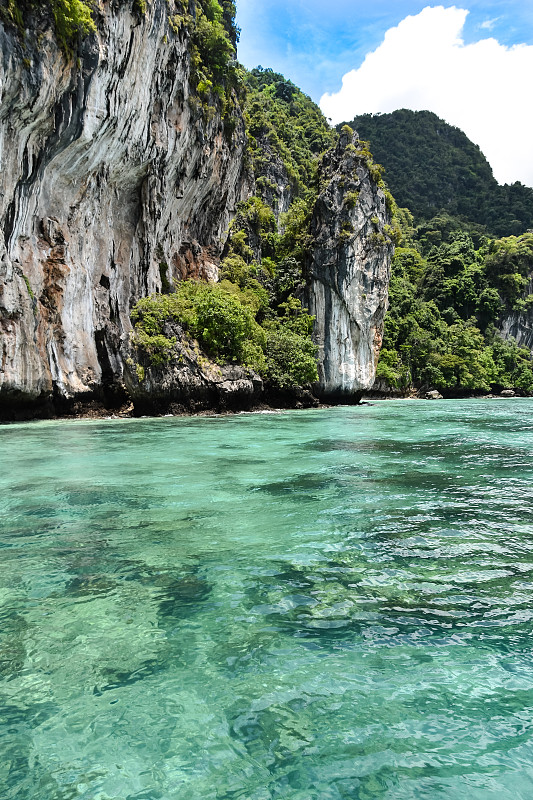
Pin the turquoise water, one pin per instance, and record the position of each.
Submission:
(324, 604)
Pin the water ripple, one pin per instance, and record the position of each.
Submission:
(322, 605)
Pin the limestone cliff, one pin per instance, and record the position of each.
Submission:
(113, 181)
(518, 324)
(349, 271)
(119, 175)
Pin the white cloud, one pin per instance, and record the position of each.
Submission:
(489, 24)
(482, 88)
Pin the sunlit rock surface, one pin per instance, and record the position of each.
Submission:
(349, 272)
(519, 326)
(111, 183)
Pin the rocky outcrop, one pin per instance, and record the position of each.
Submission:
(274, 186)
(113, 182)
(188, 381)
(349, 272)
(518, 325)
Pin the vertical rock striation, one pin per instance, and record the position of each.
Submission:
(115, 180)
(518, 325)
(112, 182)
(349, 272)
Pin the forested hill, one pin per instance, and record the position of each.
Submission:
(431, 167)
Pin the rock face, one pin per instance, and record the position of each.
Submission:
(277, 187)
(519, 326)
(349, 272)
(114, 181)
(433, 394)
(111, 184)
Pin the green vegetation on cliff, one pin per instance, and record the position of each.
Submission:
(73, 19)
(226, 322)
(287, 133)
(254, 316)
(216, 80)
(210, 23)
(433, 167)
(449, 290)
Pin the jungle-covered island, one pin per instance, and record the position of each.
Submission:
(203, 239)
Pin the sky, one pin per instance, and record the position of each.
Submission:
(470, 62)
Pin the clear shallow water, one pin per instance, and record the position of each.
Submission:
(312, 605)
